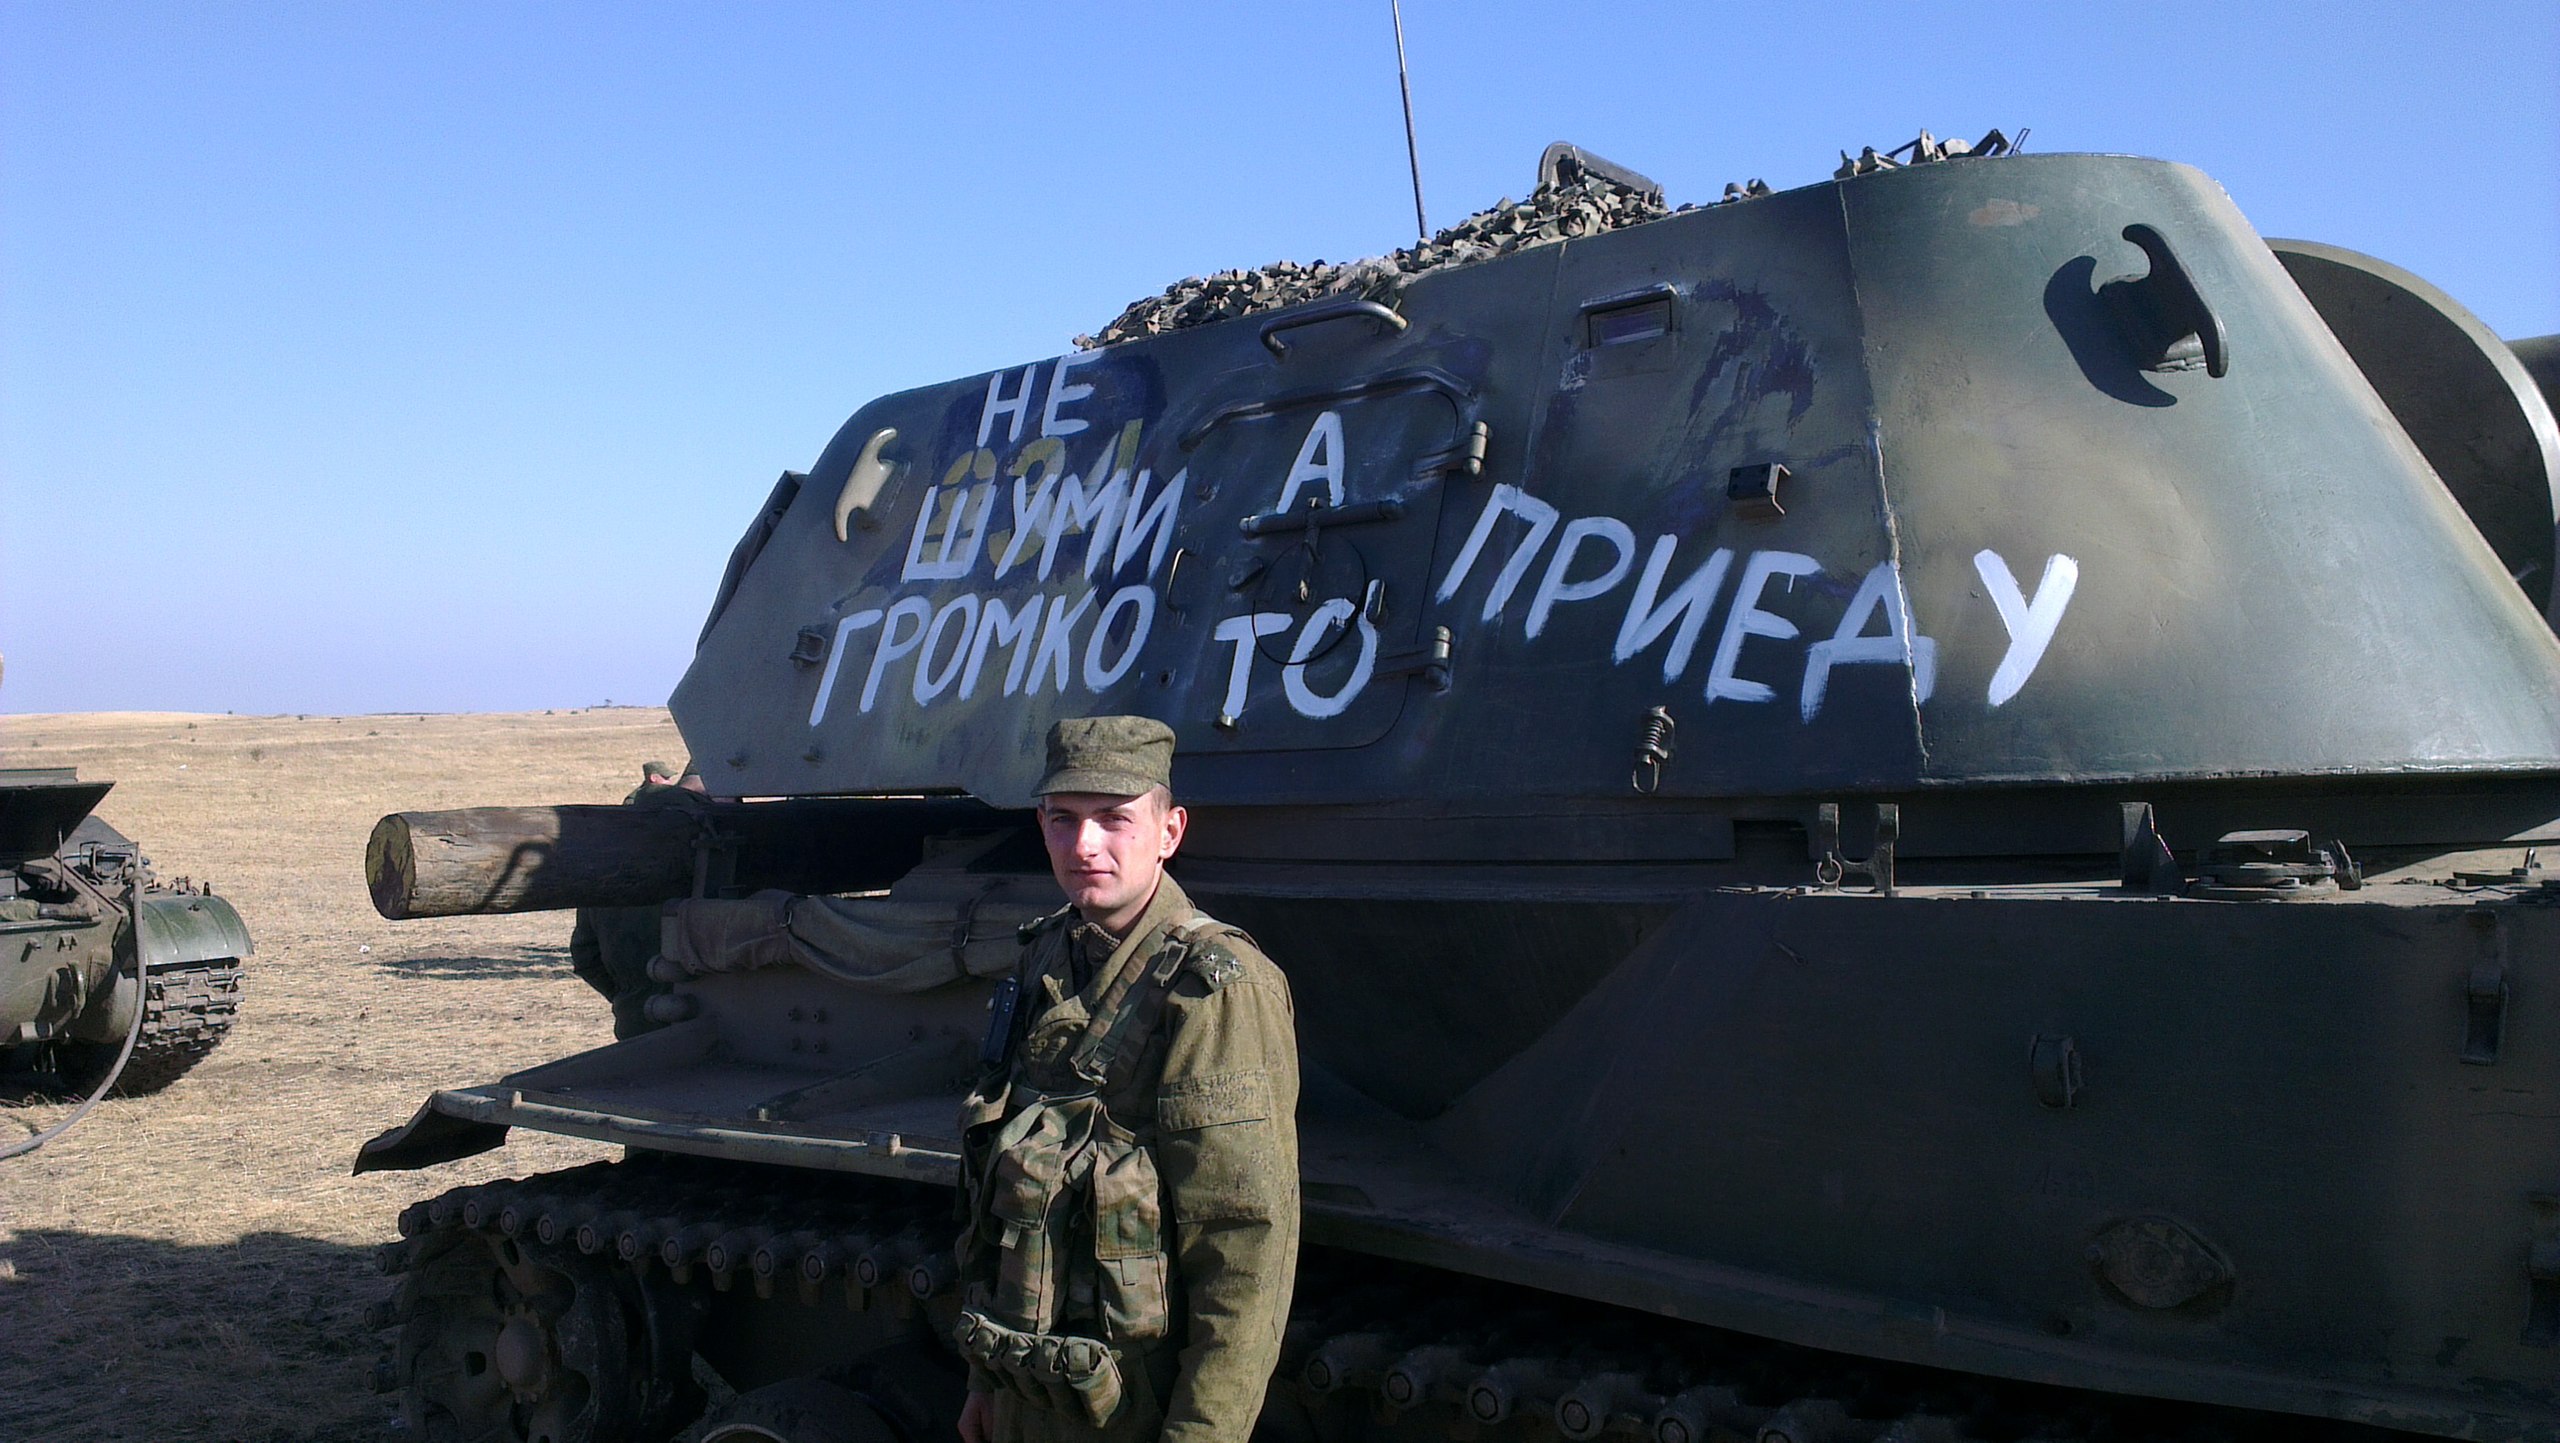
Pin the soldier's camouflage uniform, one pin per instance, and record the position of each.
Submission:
(1131, 1244)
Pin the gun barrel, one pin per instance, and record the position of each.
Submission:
(486, 861)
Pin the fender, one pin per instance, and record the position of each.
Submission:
(178, 929)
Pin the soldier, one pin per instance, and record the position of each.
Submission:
(610, 947)
(1130, 1154)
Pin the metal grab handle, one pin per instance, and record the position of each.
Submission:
(2165, 315)
(1323, 311)
(1325, 518)
(1394, 383)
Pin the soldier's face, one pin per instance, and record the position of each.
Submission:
(1107, 852)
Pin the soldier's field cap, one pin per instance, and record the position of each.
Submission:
(657, 772)
(1113, 756)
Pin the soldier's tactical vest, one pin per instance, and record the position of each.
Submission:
(1064, 1249)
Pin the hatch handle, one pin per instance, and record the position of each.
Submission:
(2165, 316)
(1321, 312)
(1426, 379)
(1315, 516)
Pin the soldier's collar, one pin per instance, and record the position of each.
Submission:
(1169, 905)
(1120, 992)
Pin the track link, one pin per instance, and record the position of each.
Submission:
(186, 1012)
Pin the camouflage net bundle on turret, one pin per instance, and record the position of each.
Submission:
(1586, 205)
(1579, 195)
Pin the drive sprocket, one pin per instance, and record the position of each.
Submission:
(521, 1342)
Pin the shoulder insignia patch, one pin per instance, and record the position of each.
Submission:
(1199, 936)
(1213, 965)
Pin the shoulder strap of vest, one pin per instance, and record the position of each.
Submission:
(1030, 931)
(1128, 1009)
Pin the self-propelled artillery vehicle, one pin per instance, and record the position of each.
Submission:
(1899, 809)
(96, 949)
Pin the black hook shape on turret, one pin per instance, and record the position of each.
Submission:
(2164, 316)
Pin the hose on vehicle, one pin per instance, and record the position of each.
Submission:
(132, 1034)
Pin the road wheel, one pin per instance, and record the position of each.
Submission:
(520, 1343)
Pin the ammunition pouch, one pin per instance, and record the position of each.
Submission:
(1128, 1241)
(1071, 1375)
(1055, 1169)
(1034, 1167)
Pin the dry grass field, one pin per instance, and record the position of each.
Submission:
(197, 1265)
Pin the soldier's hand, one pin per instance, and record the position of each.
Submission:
(978, 1419)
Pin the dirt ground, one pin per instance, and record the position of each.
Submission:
(197, 1265)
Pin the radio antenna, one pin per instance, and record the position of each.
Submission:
(1412, 154)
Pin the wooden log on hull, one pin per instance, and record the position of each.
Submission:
(483, 861)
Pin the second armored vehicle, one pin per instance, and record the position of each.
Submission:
(94, 945)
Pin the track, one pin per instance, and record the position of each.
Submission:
(567, 1307)
(1372, 1342)
(813, 1237)
(186, 1012)
(1375, 1350)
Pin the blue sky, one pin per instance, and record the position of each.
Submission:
(393, 357)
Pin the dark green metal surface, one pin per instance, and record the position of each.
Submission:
(181, 929)
(1541, 778)
(2465, 397)
(1965, 427)
(38, 813)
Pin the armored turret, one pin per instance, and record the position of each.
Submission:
(1879, 799)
